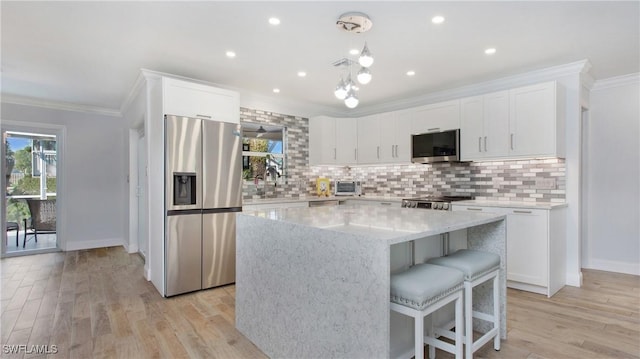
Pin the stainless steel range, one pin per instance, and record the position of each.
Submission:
(442, 203)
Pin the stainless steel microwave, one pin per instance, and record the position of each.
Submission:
(436, 147)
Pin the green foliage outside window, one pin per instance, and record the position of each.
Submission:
(23, 160)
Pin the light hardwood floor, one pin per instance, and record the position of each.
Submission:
(96, 303)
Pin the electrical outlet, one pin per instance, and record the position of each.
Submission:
(547, 183)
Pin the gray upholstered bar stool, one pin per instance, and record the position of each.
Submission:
(478, 267)
(420, 291)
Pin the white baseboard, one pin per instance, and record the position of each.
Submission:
(132, 248)
(574, 279)
(91, 244)
(613, 266)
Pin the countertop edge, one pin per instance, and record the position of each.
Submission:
(512, 204)
(316, 199)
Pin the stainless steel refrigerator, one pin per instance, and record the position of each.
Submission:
(203, 192)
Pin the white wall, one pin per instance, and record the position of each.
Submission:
(612, 239)
(94, 173)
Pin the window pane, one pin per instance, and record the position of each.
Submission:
(263, 151)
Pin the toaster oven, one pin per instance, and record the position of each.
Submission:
(348, 188)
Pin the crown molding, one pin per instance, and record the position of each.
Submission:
(64, 106)
(618, 81)
(138, 85)
(547, 74)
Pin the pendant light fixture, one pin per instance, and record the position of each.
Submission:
(364, 76)
(365, 59)
(355, 22)
(341, 90)
(351, 101)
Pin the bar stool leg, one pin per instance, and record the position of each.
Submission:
(431, 333)
(459, 325)
(468, 317)
(496, 312)
(419, 337)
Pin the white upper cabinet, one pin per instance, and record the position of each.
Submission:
(333, 141)
(190, 99)
(346, 141)
(322, 140)
(525, 122)
(436, 117)
(369, 128)
(384, 138)
(536, 123)
(471, 128)
(395, 137)
(484, 126)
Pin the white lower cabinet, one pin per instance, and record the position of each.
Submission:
(536, 247)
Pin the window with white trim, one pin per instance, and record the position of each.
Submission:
(263, 152)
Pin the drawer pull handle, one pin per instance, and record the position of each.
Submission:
(202, 116)
(525, 212)
(434, 129)
(385, 203)
(474, 209)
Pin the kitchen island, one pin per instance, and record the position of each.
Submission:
(314, 282)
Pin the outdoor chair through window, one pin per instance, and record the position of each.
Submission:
(43, 218)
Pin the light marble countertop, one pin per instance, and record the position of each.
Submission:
(393, 225)
(511, 204)
(316, 198)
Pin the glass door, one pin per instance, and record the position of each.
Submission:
(31, 181)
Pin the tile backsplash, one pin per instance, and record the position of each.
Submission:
(296, 181)
(538, 180)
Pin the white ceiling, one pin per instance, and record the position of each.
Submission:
(90, 53)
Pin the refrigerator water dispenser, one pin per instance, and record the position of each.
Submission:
(184, 188)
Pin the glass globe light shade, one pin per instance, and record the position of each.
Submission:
(351, 101)
(364, 76)
(341, 90)
(365, 59)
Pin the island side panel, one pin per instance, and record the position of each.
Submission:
(309, 292)
(490, 237)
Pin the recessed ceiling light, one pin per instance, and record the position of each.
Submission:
(231, 54)
(437, 19)
(411, 73)
(274, 21)
(276, 90)
(302, 74)
(490, 51)
(354, 52)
